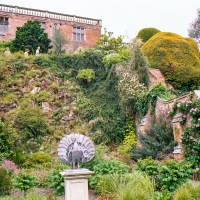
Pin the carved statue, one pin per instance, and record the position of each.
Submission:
(75, 148)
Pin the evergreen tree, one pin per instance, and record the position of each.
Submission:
(139, 63)
(157, 142)
(30, 36)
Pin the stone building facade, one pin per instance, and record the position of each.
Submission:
(81, 32)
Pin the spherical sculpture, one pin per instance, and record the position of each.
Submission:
(75, 148)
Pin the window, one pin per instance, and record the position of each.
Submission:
(43, 25)
(55, 26)
(78, 34)
(4, 24)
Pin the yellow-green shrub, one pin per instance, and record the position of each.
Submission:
(38, 158)
(188, 191)
(165, 48)
(174, 56)
(128, 143)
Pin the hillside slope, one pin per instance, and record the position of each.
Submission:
(42, 100)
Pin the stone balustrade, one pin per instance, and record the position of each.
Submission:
(48, 14)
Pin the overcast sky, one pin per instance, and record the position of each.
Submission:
(124, 17)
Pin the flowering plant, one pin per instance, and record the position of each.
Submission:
(191, 136)
(10, 166)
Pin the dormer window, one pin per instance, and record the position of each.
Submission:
(4, 24)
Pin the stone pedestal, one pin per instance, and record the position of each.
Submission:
(76, 183)
(178, 131)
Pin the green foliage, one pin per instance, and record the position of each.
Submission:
(54, 86)
(5, 183)
(163, 195)
(138, 62)
(24, 181)
(157, 142)
(129, 141)
(86, 75)
(42, 96)
(8, 137)
(177, 57)
(149, 98)
(191, 136)
(129, 88)
(38, 158)
(188, 191)
(3, 46)
(183, 78)
(31, 195)
(146, 33)
(42, 177)
(112, 166)
(174, 173)
(59, 40)
(31, 122)
(100, 151)
(109, 43)
(57, 180)
(133, 75)
(149, 166)
(30, 36)
(135, 185)
(43, 60)
(168, 175)
(91, 103)
(114, 58)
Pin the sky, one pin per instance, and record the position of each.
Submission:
(124, 17)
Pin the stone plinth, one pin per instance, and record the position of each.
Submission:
(76, 183)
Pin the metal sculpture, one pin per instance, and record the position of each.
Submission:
(75, 148)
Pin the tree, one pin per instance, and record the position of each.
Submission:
(31, 123)
(110, 43)
(146, 33)
(133, 75)
(59, 40)
(177, 58)
(30, 36)
(157, 142)
(194, 30)
(139, 62)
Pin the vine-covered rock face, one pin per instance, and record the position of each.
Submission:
(177, 57)
(166, 48)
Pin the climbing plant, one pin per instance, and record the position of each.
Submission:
(191, 135)
(149, 98)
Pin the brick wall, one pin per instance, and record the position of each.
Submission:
(92, 27)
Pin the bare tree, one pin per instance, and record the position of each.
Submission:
(59, 40)
(194, 30)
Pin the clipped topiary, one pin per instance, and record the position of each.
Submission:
(146, 33)
(177, 57)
